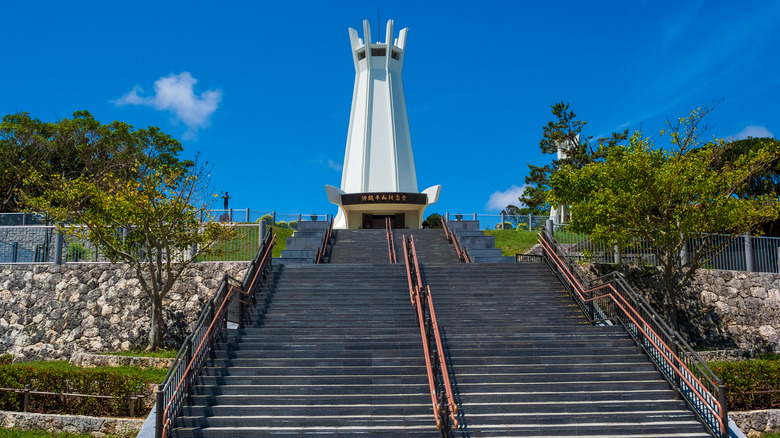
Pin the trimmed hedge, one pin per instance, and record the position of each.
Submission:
(75, 381)
(744, 380)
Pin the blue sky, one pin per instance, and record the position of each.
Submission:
(262, 90)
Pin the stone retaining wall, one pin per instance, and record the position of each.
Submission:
(719, 309)
(54, 311)
(74, 424)
(756, 423)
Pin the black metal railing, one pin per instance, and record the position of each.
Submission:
(611, 300)
(444, 407)
(196, 347)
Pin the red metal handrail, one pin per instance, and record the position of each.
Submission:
(462, 254)
(324, 246)
(390, 241)
(677, 365)
(445, 374)
(422, 301)
(415, 296)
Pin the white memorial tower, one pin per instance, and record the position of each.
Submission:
(378, 178)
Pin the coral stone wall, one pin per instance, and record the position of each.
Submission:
(719, 309)
(53, 311)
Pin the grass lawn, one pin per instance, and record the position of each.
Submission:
(513, 242)
(18, 433)
(281, 239)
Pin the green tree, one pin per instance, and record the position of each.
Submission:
(72, 148)
(433, 221)
(665, 198)
(137, 200)
(564, 134)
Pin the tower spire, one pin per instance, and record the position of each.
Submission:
(378, 156)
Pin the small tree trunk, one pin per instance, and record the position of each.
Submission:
(155, 334)
(669, 301)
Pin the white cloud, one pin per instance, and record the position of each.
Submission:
(499, 200)
(753, 131)
(176, 94)
(334, 165)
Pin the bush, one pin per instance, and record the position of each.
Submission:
(5, 359)
(293, 225)
(744, 379)
(282, 224)
(61, 378)
(269, 220)
(76, 252)
(434, 221)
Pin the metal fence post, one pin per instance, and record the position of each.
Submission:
(15, 252)
(475, 216)
(530, 222)
(58, 244)
(749, 253)
(247, 215)
(447, 215)
(26, 398)
(502, 222)
(262, 232)
(273, 215)
(230, 214)
(159, 408)
(725, 410)
(550, 228)
(299, 217)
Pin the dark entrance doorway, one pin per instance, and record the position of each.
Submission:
(378, 220)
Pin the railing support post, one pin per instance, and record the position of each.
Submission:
(475, 216)
(550, 227)
(158, 413)
(724, 415)
(447, 215)
(230, 214)
(273, 216)
(299, 217)
(247, 216)
(15, 252)
(26, 398)
(58, 244)
(530, 222)
(749, 266)
(502, 222)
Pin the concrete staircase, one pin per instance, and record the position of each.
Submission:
(334, 350)
(482, 248)
(302, 245)
(359, 246)
(525, 362)
(432, 245)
